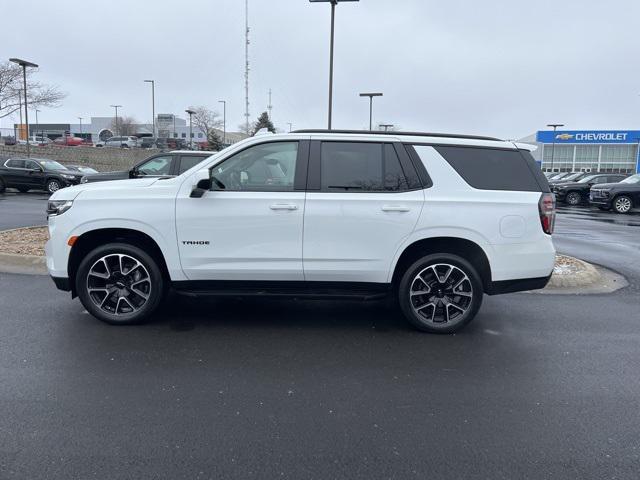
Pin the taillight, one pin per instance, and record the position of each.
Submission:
(547, 209)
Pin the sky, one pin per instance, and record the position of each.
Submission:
(503, 68)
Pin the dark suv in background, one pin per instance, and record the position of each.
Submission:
(36, 174)
(621, 197)
(160, 165)
(577, 192)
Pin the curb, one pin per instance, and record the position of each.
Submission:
(25, 264)
(586, 275)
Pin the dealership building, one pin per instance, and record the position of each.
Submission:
(587, 150)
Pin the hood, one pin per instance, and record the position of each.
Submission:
(104, 176)
(70, 193)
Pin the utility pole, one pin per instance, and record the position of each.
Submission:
(246, 65)
(371, 95)
(37, 126)
(80, 118)
(269, 106)
(117, 128)
(290, 125)
(553, 143)
(153, 104)
(190, 112)
(20, 109)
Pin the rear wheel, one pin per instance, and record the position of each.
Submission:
(120, 284)
(622, 204)
(440, 293)
(574, 198)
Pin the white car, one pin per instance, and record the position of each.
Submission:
(36, 140)
(434, 220)
(119, 142)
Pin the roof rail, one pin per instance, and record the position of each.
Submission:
(411, 134)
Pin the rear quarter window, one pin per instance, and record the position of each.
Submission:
(495, 169)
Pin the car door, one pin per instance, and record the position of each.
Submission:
(15, 173)
(35, 177)
(249, 225)
(363, 201)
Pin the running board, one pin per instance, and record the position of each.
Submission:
(308, 290)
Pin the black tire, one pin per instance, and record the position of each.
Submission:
(118, 285)
(23, 189)
(449, 305)
(573, 198)
(622, 204)
(53, 185)
(3, 186)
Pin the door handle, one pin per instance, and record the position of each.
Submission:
(283, 206)
(395, 208)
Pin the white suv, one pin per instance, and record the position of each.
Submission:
(434, 220)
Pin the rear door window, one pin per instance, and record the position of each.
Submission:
(189, 161)
(16, 164)
(494, 169)
(360, 167)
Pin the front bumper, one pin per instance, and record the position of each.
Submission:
(600, 201)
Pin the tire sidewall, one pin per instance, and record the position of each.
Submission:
(422, 263)
(52, 180)
(157, 283)
(618, 198)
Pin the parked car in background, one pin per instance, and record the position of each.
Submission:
(9, 140)
(120, 142)
(68, 141)
(570, 177)
(621, 196)
(147, 142)
(36, 174)
(172, 144)
(82, 169)
(557, 176)
(575, 193)
(160, 165)
(36, 140)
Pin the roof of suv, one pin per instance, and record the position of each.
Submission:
(403, 134)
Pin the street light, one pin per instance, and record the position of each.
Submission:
(290, 125)
(24, 64)
(370, 95)
(190, 112)
(333, 15)
(153, 104)
(80, 118)
(224, 121)
(36, 110)
(553, 143)
(117, 128)
(386, 126)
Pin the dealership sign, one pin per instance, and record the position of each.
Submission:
(588, 136)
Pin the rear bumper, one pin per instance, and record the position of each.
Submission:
(517, 285)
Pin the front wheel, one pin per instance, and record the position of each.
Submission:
(622, 204)
(440, 293)
(53, 185)
(119, 284)
(574, 198)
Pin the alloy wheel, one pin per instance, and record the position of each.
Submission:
(119, 284)
(623, 204)
(53, 186)
(573, 198)
(441, 294)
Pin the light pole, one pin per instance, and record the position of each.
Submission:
(80, 118)
(333, 16)
(370, 95)
(117, 128)
(24, 64)
(224, 121)
(153, 104)
(386, 126)
(290, 125)
(553, 143)
(36, 110)
(190, 112)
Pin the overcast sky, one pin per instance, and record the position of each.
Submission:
(496, 67)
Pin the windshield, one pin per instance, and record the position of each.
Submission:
(632, 179)
(51, 165)
(587, 179)
(573, 176)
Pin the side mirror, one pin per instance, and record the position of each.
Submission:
(202, 186)
(133, 173)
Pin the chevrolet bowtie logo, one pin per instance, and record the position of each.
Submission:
(564, 136)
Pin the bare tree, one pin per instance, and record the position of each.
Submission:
(126, 126)
(209, 122)
(11, 84)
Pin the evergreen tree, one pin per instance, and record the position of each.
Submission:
(263, 122)
(214, 140)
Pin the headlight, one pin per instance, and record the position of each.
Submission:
(67, 176)
(58, 207)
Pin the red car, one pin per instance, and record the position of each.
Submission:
(69, 141)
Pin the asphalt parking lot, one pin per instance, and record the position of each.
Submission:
(538, 386)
